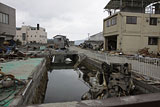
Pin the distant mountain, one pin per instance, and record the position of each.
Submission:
(78, 42)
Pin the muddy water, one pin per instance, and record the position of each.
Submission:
(64, 85)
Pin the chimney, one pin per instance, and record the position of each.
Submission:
(37, 26)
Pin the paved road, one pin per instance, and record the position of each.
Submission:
(148, 68)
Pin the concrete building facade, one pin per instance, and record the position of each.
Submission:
(7, 22)
(132, 29)
(28, 34)
(97, 37)
(96, 40)
(60, 41)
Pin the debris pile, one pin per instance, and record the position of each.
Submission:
(96, 47)
(9, 86)
(120, 81)
(12, 54)
(116, 53)
(8, 80)
(145, 52)
(113, 81)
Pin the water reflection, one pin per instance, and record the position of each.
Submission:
(73, 85)
(64, 85)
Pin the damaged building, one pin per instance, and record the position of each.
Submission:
(7, 23)
(132, 25)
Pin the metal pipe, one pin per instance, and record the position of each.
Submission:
(24, 92)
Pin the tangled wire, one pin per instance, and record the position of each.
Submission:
(8, 84)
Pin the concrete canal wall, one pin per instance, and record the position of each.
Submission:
(145, 100)
(35, 72)
(141, 86)
(34, 91)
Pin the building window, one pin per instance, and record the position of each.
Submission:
(18, 28)
(35, 35)
(108, 23)
(4, 18)
(23, 36)
(33, 28)
(7, 19)
(152, 40)
(153, 21)
(0, 17)
(131, 20)
(111, 22)
(59, 39)
(114, 21)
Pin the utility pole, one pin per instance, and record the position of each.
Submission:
(121, 5)
(88, 35)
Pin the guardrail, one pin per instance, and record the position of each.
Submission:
(143, 65)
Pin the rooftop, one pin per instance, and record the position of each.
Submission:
(118, 4)
(4, 5)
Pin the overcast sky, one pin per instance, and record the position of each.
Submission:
(74, 18)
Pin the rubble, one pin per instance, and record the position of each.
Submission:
(7, 80)
(113, 80)
(86, 45)
(145, 52)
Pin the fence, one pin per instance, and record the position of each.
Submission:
(142, 65)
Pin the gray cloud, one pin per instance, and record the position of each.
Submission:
(74, 18)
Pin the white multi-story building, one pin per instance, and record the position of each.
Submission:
(28, 34)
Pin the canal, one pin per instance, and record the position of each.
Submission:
(86, 82)
(64, 85)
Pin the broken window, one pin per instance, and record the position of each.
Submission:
(131, 20)
(153, 21)
(152, 40)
